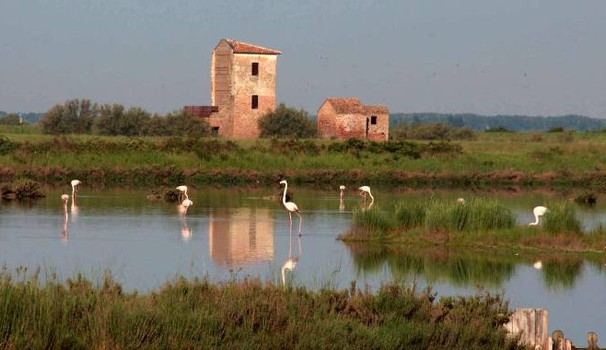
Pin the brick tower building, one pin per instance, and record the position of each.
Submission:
(243, 88)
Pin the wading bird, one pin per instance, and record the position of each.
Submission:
(538, 212)
(341, 204)
(364, 190)
(291, 207)
(183, 190)
(185, 205)
(75, 186)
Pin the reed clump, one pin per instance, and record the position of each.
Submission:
(479, 221)
(242, 314)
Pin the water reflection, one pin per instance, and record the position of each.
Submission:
(64, 234)
(466, 268)
(74, 209)
(291, 262)
(186, 232)
(241, 236)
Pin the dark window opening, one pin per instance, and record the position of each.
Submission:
(255, 68)
(255, 102)
(214, 131)
(373, 120)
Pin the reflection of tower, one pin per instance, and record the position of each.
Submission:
(241, 236)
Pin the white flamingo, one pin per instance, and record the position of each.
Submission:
(183, 190)
(75, 186)
(538, 211)
(365, 190)
(291, 207)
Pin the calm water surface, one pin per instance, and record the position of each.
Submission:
(231, 234)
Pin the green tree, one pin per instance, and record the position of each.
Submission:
(178, 123)
(72, 117)
(285, 122)
(113, 120)
(10, 119)
(109, 118)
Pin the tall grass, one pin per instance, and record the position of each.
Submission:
(437, 215)
(196, 314)
(561, 218)
(488, 160)
(478, 221)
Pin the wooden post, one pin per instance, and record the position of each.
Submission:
(531, 326)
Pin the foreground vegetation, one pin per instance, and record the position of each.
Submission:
(188, 314)
(477, 222)
(488, 160)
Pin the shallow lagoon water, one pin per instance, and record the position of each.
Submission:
(235, 233)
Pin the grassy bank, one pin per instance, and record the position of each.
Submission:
(489, 160)
(188, 314)
(477, 222)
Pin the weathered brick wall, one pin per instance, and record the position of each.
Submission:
(233, 86)
(379, 131)
(326, 122)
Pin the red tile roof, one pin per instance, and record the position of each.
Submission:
(345, 105)
(241, 47)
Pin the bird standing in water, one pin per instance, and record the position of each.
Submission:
(291, 207)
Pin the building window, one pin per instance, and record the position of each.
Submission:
(214, 131)
(255, 102)
(373, 120)
(255, 68)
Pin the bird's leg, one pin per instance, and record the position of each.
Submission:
(300, 220)
(290, 243)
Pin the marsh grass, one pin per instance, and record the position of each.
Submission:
(487, 160)
(480, 221)
(561, 218)
(195, 313)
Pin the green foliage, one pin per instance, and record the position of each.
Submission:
(438, 215)
(285, 122)
(561, 218)
(6, 145)
(178, 123)
(235, 315)
(72, 117)
(10, 119)
(112, 120)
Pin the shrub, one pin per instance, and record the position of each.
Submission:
(285, 122)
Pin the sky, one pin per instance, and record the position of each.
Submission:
(515, 57)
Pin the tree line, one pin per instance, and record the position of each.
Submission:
(503, 122)
(82, 116)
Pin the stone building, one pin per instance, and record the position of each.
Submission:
(243, 88)
(345, 117)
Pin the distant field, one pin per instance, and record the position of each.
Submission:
(532, 158)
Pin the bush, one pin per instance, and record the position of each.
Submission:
(285, 122)
(11, 119)
(73, 117)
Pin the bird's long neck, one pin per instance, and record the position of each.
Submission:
(284, 195)
(536, 221)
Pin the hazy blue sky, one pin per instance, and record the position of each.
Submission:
(541, 57)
